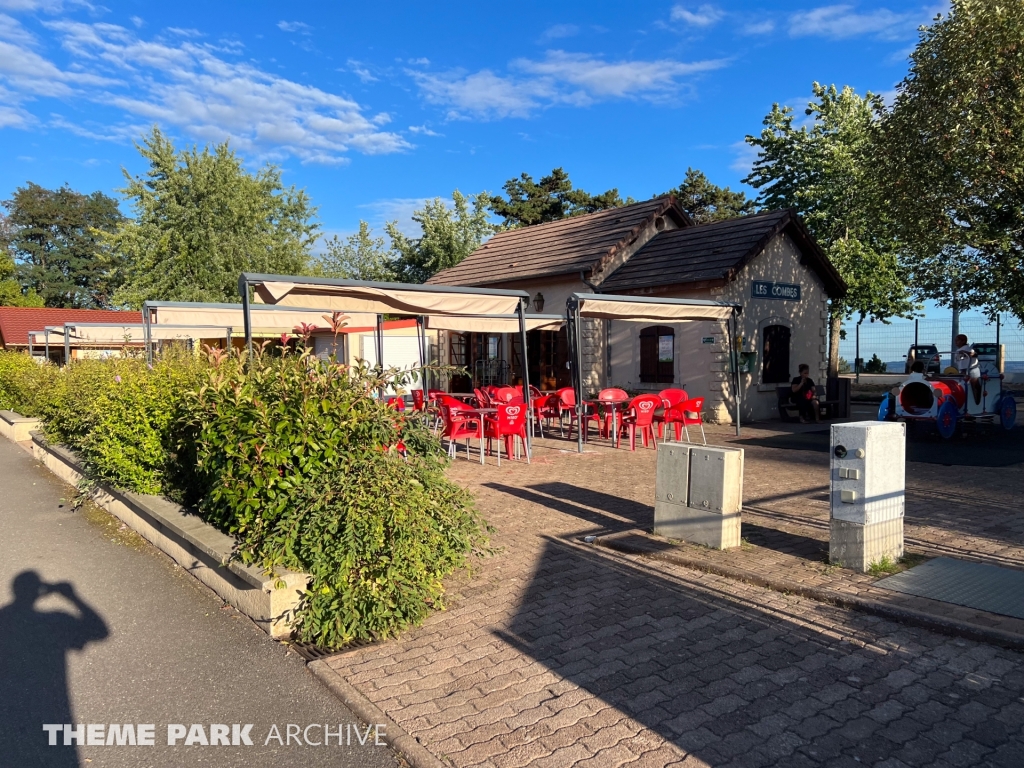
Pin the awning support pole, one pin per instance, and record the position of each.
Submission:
(576, 368)
(243, 288)
(378, 339)
(419, 343)
(67, 346)
(734, 353)
(147, 333)
(526, 383)
(46, 332)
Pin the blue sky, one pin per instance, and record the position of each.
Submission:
(372, 107)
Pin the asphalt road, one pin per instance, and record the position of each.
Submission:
(98, 627)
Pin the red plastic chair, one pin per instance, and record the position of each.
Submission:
(506, 394)
(398, 403)
(417, 400)
(460, 422)
(566, 405)
(544, 407)
(483, 400)
(508, 424)
(610, 395)
(640, 416)
(687, 413)
(670, 398)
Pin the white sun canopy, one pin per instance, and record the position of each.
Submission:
(641, 309)
(381, 298)
(110, 333)
(494, 324)
(611, 307)
(265, 319)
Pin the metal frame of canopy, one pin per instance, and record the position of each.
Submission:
(419, 301)
(664, 310)
(31, 339)
(151, 310)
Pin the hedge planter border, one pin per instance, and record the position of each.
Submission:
(196, 546)
(16, 427)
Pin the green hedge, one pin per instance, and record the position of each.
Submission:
(23, 382)
(292, 455)
(297, 459)
(120, 415)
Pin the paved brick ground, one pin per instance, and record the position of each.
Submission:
(559, 653)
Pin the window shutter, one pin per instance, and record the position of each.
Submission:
(648, 358)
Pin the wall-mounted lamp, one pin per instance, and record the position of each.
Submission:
(538, 302)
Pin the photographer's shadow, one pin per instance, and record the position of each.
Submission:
(33, 669)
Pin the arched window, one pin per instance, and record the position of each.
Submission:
(657, 354)
(775, 354)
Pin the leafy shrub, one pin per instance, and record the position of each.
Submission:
(296, 458)
(24, 383)
(119, 413)
(875, 365)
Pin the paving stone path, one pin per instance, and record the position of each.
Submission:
(555, 652)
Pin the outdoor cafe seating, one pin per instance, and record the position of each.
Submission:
(497, 414)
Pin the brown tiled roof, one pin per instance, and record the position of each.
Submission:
(558, 247)
(713, 252)
(16, 322)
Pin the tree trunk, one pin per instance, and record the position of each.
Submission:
(835, 325)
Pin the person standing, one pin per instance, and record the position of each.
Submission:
(966, 361)
(805, 395)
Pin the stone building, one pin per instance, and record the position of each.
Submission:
(767, 262)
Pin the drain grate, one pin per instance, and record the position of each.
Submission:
(311, 652)
(972, 585)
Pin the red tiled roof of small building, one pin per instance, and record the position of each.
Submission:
(16, 322)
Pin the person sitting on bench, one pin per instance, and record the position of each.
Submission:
(805, 395)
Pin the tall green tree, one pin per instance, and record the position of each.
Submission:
(11, 292)
(551, 198)
(55, 238)
(450, 234)
(951, 155)
(360, 256)
(201, 219)
(707, 202)
(823, 171)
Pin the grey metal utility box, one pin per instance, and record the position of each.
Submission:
(868, 479)
(699, 494)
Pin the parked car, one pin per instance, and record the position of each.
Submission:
(927, 354)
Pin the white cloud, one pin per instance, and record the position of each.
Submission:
(397, 209)
(745, 156)
(12, 31)
(558, 31)
(758, 27)
(191, 87)
(559, 78)
(420, 62)
(137, 21)
(843, 21)
(423, 130)
(705, 15)
(294, 26)
(361, 71)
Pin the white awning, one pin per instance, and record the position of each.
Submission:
(103, 333)
(381, 298)
(265, 319)
(494, 324)
(612, 307)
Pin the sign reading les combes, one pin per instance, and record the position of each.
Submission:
(763, 289)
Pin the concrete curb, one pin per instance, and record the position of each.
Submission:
(952, 627)
(397, 737)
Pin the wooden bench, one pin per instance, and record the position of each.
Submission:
(789, 411)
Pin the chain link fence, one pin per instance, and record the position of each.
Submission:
(889, 343)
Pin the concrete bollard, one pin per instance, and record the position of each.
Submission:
(868, 480)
